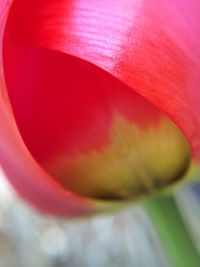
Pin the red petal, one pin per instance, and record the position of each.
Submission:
(33, 183)
(152, 46)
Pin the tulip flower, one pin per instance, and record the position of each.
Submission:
(99, 100)
(99, 104)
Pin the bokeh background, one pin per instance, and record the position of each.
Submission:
(124, 239)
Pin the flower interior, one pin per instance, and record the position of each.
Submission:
(93, 134)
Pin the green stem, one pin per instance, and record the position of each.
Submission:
(173, 233)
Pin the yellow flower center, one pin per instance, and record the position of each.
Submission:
(136, 162)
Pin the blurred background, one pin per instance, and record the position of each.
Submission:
(124, 239)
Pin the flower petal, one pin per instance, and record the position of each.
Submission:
(30, 180)
(150, 45)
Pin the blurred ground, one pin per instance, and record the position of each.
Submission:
(127, 239)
